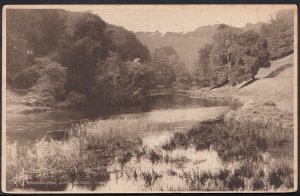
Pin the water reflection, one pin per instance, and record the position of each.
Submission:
(27, 128)
(170, 172)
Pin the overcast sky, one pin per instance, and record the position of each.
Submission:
(178, 18)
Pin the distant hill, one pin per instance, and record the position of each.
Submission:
(187, 44)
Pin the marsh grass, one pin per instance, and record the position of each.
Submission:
(90, 148)
(245, 142)
(83, 155)
(232, 140)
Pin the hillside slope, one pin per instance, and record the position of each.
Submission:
(279, 89)
(274, 84)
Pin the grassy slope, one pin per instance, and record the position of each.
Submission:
(279, 88)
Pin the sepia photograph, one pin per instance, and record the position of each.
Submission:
(149, 98)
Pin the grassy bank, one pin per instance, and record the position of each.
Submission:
(274, 84)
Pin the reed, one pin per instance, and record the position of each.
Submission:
(86, 151)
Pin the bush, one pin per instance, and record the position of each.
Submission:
(49, 87)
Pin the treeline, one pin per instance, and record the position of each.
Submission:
(78, 58)
(235, 56)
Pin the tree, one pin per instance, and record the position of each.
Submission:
(250, 53)
(17, 57)
(42, 28)
(31, 33)
(222, 53)
(280, 34)
(183, 80)
(49, 82)
(121, 81)
(234, 57)
(203, 73)
(126, 44)
(104, 63)
(81, 47)
(164, 61)
(107, 79)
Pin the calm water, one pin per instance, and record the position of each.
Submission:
(25, 128)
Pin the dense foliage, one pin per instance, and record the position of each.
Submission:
(31, 34)
(234, 57)
(107, 64)
(280, 34)
(123, 81)
(169, 68)
(103, 63)
(46, 79)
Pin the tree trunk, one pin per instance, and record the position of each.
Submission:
(229, 60)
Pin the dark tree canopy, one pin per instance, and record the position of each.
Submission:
(234, 57)
(104, 63)
(250, 53)
(126, 44)
(280, 34)
(31, 33)
(81, 48)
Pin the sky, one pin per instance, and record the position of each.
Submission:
(179, 18)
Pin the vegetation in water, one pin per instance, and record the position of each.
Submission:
(91, 148)
(83, 155)
(236, 140)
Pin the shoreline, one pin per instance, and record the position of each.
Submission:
(248, 110)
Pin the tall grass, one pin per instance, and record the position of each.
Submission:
(235, 140)
(89, 149)
(84, 154)
(239, 141)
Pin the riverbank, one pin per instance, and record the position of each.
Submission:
(269, 97)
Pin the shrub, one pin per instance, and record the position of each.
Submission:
(50, 84)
